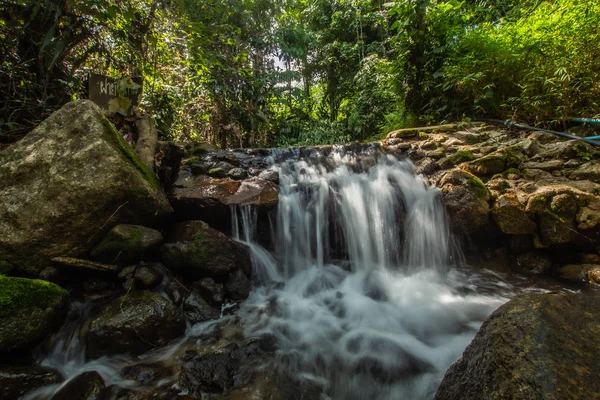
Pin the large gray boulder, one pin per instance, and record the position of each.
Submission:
(67, 183)
(537, 346)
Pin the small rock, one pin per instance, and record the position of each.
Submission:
(125, 244)
(145, 373)
(86, 386)
(576, 272)
(534, 262)
(270, 175)
(550, 165)
(237, 174)
(196, 309)
(210, 291)
(147, 276)
(590, 171)
(594, 275)
(133, 323)
(511, 217)
(84, 264)
(591, 258)
(466, 199)
(217, 173)
(237, 286)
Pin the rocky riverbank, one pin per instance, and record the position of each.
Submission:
(98, 246)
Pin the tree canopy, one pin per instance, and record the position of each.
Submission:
(298, 72)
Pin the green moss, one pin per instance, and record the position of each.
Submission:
(460, 157)
(21, 293)
(112, 245)
(423, 136)
(127, 151)
(585, 151)
(5, 267)
(512, 171)
(478, 186)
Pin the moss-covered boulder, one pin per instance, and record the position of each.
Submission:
(537, 346)
(125, 244)
(133, 323)
(67, 183)
(494, 163)
(196, 250)
(466, 199)
(511, 217)
(29, 310)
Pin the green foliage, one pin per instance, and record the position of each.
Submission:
(297, 72)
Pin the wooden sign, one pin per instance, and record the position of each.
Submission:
(117, 95)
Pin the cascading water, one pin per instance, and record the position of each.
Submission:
(361, 294)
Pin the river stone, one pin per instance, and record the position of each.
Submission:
(133, 323)
(196, 309)
(145, 373)
(86, 386)
(270, 175)
(196, 250)
(125, 244)
(237, 286)
(534, 262)
(537, 346)
(466, 199)
(68, 182)
(577, 272)
(220, 371)
(29, 310)
(237, 173)
(16, 381)
(510, 216)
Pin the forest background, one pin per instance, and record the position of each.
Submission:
(299, 72)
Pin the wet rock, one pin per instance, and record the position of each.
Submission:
(73, 178)
(29, 310)
(51, 274)
(237, 174)
(589, 171)
(133, 323)
(210, 291)
(217, 172)
(237, 286)
(196, 309)
(176, 292)
(492, 164)
(427, 166)
(594, 275)
(145, 373)
(537, 346)
(147, 276)
(220, 371)
(256, 192)
(270, 175)
(168, 162)
(534, 262)
(16, 381)
(466, 199)
(549, 165)
(520, 243)
(577, 272)
(196, 250)
(84, 265)
(86, 386)
(510, 216)
(126, 244)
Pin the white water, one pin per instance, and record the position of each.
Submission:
(362, 294)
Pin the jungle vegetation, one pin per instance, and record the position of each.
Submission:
(299, 72)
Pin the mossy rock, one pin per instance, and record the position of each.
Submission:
(29, 310)
(66, 184)
(126, 244)
(196, 250)
(511, 217)
(536, 346)
(461, 156)
(494, 163)
(466, 199)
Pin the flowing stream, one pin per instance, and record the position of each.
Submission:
(365, 292)
(362, 292)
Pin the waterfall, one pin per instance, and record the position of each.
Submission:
(360, 291)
